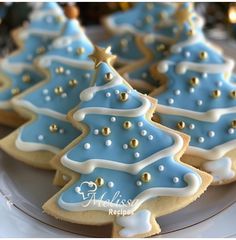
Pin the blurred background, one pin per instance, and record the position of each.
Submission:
(219, 15)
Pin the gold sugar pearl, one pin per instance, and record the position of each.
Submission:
(26, 78)
(124, 43)
(233, 94)
(146, 177)
(40, 50)
(59, 19)
(127, 125)
(203, 55)
(148, 19)
(191, 32)
(161, 47)
(106, 131)
(15, 91)
(149, 6)
(73, 83)
(108, 76)
(194, 81)
(216, 93)
(233, 124)
(134, 143)
(162, 15)
(80, 50)
(181, 125)
(124, 96)
(58, 90)
(59, 70)
(99, 181)
(53, 128)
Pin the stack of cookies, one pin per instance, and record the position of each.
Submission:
(118, 166)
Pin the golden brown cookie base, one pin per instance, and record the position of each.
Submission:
(11, 119)
(38, 159)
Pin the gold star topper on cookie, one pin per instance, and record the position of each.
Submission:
(102, 55)
(184, 14)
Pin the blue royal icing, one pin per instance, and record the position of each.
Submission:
(22, 59)
(51, 108)
(106, 153)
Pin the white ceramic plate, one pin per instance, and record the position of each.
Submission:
(27, 188)
(23, 190)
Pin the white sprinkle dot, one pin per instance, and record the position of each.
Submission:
(144, 75)
(199, 102)
(231, 131)
(108, 143)
(68, 72)
(219, 84)
(69, 49)
(177, 92)
(187, 54)
(161, 168)
(61, 131)
(204, 75)
(48, 98)
(45, 91)
(211, 133)
(150, 137)
(110, 184)
(108, 94)
(201, 139)
(64, 95)
(87, 75)
(96, 132)
(143, 132)
(170, 100)
(117, 91)
(77, 189)
(175, 179)
(113, 119)
(40, 137)
(139, 183)
(125, 146)
(191, 90)
(87, 146)
(136, 154)
(140, 124)
(191, 126)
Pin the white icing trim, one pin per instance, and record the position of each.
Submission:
(89, 165)
(212, 115)
(45, 61)
(220, 169)
(31, 147)
(183, 67)
(39, 14)
(24, 33)
(214, 153)
(193, 183)
(80, 114)
(46, 111)
(15, 67)
(138, 223)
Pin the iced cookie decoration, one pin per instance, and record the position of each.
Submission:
(17, 72)
(155, 47)
(143, 18)
(199, 99)
(122, 154)
(69, 71)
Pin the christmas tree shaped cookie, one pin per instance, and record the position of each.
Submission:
(69, 71)
(142, 19)
(155, 48)
(123, 163)
(17, 72)
(199, 99)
